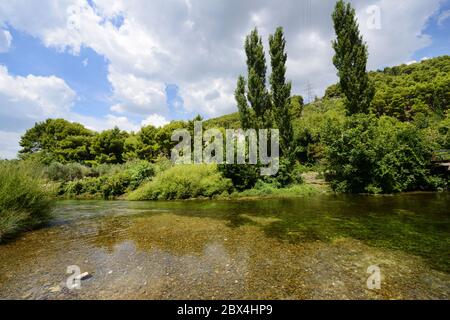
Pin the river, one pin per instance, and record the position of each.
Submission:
(317, 247)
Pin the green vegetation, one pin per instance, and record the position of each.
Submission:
(184, 182)
(24, 202)
(263, 189)
(105, 181)
(350, 60)
(380, 155)
(281, 90)
(373, 132)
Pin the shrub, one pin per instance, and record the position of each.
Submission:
(65, 172)
(115, 185)
(138, 172)
(24, 203)
(242, 176)
(184, 182)
(376, 155)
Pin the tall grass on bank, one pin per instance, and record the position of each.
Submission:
(24, 202)
(184, 182)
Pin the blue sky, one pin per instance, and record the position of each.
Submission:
(106, 63)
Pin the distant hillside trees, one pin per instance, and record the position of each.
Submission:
(406, 91)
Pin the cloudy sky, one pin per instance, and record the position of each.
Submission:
(135, 62)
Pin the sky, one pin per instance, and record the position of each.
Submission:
(130, 63)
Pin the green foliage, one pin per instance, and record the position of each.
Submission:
(296, 107)
(376, 155)
(229, 121)
(138, 172)
(257, 93)
(184, 182)
(108, 146)
(106, 181)
(242, 176)
(57, 140)
(350, 59)
(65, 172)
(245, 113)
(281, 90)
(264, 189)
(24, 203)
(308, 128)
(407, 90)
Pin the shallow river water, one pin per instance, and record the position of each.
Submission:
(316, 247)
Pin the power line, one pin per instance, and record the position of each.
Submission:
(310, 92)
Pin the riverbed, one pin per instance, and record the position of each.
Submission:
(318, 247)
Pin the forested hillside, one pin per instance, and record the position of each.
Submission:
(402, 91)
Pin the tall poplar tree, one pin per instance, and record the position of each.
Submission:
(257, 94)
(245, 115)
(280, 89)
(350, 59)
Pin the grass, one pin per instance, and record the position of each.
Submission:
(24, 201)
(264, 190)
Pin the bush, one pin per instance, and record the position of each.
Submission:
(243, 176)
(138, 172)
(376, 155)
(24, 203)
(106, 180)
(307, 128)
(184, 182)
(65, 172)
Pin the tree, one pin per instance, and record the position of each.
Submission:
(245, 115)
(57, 140)
(350, 59)
(257, 93)
(280, 90)
(108, 146)
(296, 106)
(376, 155)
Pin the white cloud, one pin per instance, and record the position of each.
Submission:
(121, 122)
(443, 17)
(401, 33)
(5, 40)
(155, 120)
(197, 44)
(24, 100)
(213, 97)
(8, 144)
(136, 94)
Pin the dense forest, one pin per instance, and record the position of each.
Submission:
(372, 132)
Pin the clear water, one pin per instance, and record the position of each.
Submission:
(301, 248)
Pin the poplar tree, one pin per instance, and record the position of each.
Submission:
(350, 59)
(280, 89)
(257, 94)
(241, 99)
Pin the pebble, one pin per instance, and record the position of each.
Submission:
(55, 289)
